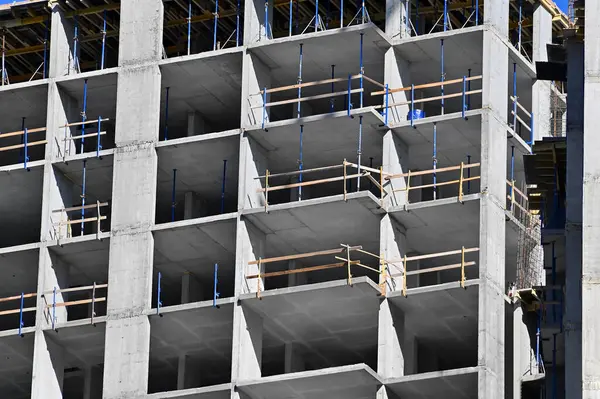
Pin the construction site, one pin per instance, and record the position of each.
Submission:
(298, 199)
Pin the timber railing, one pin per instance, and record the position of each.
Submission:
(66, 223)
(21, 310)
(50, 307)
(26, 142)
(83, 125)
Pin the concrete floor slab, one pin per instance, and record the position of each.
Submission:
(449, 384)
(346, 382)
(334, 323)
(327, 140)
(339, 47)
(21, 205)
(222, 391)
(199, 166)
(16, 365)
(209, 83)
(443, 318)
(323, 223)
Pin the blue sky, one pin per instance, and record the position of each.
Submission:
(561, 3)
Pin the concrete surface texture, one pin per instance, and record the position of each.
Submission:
(262, 217)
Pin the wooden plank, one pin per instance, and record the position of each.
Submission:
(427, 85)
(295, 271)
(440, 254)
(73, 303)
(302, 99)
(430, 171)
(16, 146)
(18, 297)
(304, 255)
(16, 311)
(75, 289)
(69, 222)
(521, 107)
(307, 84)
(521, 120)
(297, 172)
(88, 122)
(84, 136)
(21, 132)
(368, 79)
(438, 268)
(372, 170)
(445, 96)
(308, 183)
(78, 208)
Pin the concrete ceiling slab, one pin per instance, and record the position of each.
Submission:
(16, 364)
(21, 205)
(318, 224)
(195, 246)
(327, 140)
(449, 384)
(322, 319)
(197, 329)
(98, 178)
(87, 260)
(441, 225)
(82, 342)
(346, 382)
(221, 391)
(18, 273)
(339, 47)
(24, 100)
(199, 165)
(101, 92)
(442, 317)
(207, 83)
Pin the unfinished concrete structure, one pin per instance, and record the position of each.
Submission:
(247, 202)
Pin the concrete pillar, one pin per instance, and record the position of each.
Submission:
(392, 249)
(250, 247)
(181, 372)
(574, 218)
(127, 343)
(191, 289)
(188, 374)
(254, 21)
(395, 160)
(92, 383)
(491, 312)
(397, 14)
(255, 77)
(253, 163)
(590, 281)
(396, 75)
(522, 354)
(293, 361)
(194, 206)
(295, 279)
(48, 368)
(247, 345)
(542, 35)
(195, 124)
(384, 393)
(60, 61)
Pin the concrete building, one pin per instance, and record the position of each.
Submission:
(275, 200)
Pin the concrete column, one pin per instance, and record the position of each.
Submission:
(253, 163)
(397, 74)
(591, 217)
(542, 35)
(254, 21)
(181, 372)
(392, 249)
(247, 345)
(127, 344)
(397, 13)
(195, 124)
(295, 279)
(293, 361)
(495, 15)
(194, 206)
(491, 211)
(191, 289)
(384, 393)
(395, 160)
(255, 77)
(522, 354)
(572, 318)
(92, 383)
(48, 368)
(250, 246)
(60, 61)
(188, 374)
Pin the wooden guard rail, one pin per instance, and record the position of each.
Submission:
(460, 181)
(98, 218)
(516, 118)
(346, 262)
(26, 143)
(405, 273)
(98, 121)
(517, 199)
(21, 309)
(93, 300)
(361, 171)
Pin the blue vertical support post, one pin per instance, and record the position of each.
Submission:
(327, 14)
(520, 22)
(476, 12)
(189, 28)
(434, 160)
(469, 90)
(223, 186)
(266, 19)
(538, 337)
(45, 68)
(445, 15)
(83, 179)
(412, 105)
(297, 22)
(359, 152)
(349, 94)
(531, 132)
(75, 40)
(387, 108)
(341, 13)
(417, 16)
(99, 141)
(316, 15)
(84, 114)
(25, 148)
(264, 108)
(362, 68)
(298, 108)
(216, 294)
(167, 114)
(301, 161)
(515, 97)
(103, 39)
(290, 17)
(464, 99)
(512, 173)
(237, 24)
(552, 297)
(216, 24)
(21, 325)
(363, 10)
(158, 292)
(443, 76)
(469, 175)
(554, 376)
(332, 100)
(54, 308)
(173, 204)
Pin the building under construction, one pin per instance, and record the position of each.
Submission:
(256, 199)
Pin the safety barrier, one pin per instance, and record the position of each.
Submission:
(519, 121)
(98, 218)
(21, 310)
(98, 134)
(50, 308)
(26, 142)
